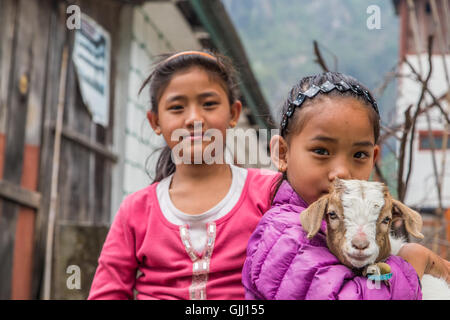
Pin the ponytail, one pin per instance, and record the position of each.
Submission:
(165, 166)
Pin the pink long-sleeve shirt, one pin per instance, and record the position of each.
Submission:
(141, 238)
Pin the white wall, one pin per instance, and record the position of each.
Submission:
(421, 190)
(146, 32)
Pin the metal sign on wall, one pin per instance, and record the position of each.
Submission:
(91, 57)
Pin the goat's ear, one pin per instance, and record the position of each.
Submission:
(413, 220)
(311, 218)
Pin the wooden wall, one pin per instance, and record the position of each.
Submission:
(32, 36)
(23, 41)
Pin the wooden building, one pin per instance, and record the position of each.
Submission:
(420, 19)
(62, 174)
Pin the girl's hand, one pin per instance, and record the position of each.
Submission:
(425, 261)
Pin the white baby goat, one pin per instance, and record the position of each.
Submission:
(359, 216)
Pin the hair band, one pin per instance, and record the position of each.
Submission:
(192, 52)
(326, 87)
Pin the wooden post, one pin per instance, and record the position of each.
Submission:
(54, 183)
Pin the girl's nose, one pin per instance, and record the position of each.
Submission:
(194, 117)
(339, 170)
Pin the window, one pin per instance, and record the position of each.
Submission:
(438, 137)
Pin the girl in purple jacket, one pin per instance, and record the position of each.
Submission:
(330, 127)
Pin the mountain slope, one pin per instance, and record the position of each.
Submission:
(278, 36)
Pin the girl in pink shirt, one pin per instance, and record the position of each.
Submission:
(186, 233)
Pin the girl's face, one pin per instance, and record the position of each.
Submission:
(337, 140)
(193, 97)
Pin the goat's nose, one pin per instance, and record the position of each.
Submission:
(360, 242)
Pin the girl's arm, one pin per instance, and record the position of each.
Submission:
(283, 264)
(117, 266)
(425, 261)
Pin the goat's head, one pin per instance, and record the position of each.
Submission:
(359, 215)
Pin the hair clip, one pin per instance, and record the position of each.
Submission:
(326, 87)
(290, 110)
(283, 123)
(356, 89)
(312, 91)
(300, 98)
(342, 86)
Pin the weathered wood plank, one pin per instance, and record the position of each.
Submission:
(21, 65)
(104, 135)
(87, 190)
(25, 228)
(8, 15)
(15, 193)
(17, 101)
(8, 21)
(114, 17)
(57, 38)
(123, 65)
(86, 142)
(74, 188)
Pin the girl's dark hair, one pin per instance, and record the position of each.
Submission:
(296, 121)
(216, 65)
(334, 78)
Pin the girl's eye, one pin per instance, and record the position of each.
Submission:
(321, 152)
(176, 107)
(361, 155)
(210, 103)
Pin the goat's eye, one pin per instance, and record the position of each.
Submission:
(386, 220)
(332, 215)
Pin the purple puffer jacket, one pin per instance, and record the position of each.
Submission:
(282, 264)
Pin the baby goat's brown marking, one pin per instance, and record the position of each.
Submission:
(336, 227)
(382, 232)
